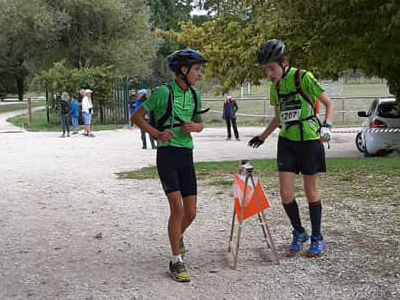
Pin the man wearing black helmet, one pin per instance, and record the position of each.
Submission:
(177, 109)
(294, 95)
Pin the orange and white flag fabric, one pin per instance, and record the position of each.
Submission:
(250, 203)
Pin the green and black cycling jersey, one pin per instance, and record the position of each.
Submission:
(297, 115)
(183, 107)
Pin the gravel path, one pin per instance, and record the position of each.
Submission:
(69, 229)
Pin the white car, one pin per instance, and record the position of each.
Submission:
(381, 128)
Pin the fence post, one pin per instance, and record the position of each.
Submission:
(265, 109)
(47, 104)
(343, 111)
(28, 103)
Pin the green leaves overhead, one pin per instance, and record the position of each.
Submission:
(326, 37)
(83, 33)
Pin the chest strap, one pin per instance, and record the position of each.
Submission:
(299, 90)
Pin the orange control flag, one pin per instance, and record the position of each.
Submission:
(250, 203)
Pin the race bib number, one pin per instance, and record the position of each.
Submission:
(290, 115)
(290, 109)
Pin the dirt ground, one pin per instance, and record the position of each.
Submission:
(69, 229)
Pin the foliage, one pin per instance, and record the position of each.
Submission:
(105, 32)
(84, 33)
(323, 36)
(62, 78)
(165, 15)
(14, 107)
(230, 41)
(39, 122)
(341, 169)
(27, 30)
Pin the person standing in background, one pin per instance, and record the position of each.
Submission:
(142, 97)
(229, 115)
(131, 105)
(87, 111)
(74, 112)
(64, 103)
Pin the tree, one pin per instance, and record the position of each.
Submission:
(85, 33)
(323, 36)
(27, 29)
(62, 78)
(166, 15)
(230, 42)
(106, 32)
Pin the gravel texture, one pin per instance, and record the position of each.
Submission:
(69, 229)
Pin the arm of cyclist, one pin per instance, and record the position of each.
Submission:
(193, 126)
(326, 132)
(256, 141)
(139, 118)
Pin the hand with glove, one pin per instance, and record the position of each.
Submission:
(326, 132)
(256, 142)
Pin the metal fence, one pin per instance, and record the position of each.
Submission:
(258, 111)
(116, 110)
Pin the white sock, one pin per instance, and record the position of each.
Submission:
(176, 258)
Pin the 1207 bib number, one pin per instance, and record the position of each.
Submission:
(290, 115)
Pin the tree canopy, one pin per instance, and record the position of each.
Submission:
(326, 37)
(83, 33)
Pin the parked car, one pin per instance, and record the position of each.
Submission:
(381, 128)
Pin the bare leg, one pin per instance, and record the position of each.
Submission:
(189, 208)
(175, 220)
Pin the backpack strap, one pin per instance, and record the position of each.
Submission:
(170, 104)
(299, 89)
(170, 109)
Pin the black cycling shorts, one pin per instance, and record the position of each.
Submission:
(307, 157)
(176, 170)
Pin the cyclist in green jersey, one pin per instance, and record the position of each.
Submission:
(177, 117)
(300, 149)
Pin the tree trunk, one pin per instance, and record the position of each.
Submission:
(20, 87)
(394, 89)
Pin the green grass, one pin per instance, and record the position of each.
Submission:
(341, 169)
(261, 107)
(379, 89)
(17, 106)
(262, 90)
(360, 199)
(39, 122)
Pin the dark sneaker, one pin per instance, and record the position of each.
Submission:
(178, 272)
(298, 240)
(90, 135)
(182, 248)
(318, 246)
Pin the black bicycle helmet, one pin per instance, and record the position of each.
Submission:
(272, 50)
(186, 57)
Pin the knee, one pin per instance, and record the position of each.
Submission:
(286, 196)
(177, 213)
(311, 195)
(191, 215)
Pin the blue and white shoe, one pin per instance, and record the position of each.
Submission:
(298, 240)
(318, 246)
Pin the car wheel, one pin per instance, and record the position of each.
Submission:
(359, 142)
